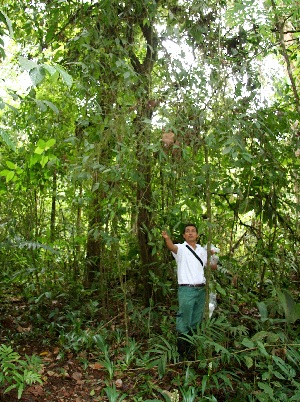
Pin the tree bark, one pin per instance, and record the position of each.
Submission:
(144, 159)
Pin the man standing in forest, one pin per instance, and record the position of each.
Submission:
(191, 259)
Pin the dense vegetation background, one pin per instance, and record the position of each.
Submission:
(119, 120)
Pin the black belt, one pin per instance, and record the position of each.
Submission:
(199, 285)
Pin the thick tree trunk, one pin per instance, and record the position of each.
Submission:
(144, 202)
(143, 131)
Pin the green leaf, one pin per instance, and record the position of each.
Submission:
(41, 105)
(38, 150)
(37, 74)
(204, 382)
(247, 157)
(34, 159)
(219, 348)
(266, 388)
(273, 337)
(220, 290)
(226, 380)
(44, 160)
(260, 335)
(44, 145)
(52, 106)
(295, 397)
(278, 375)
(248, 361)
(162, 363)
(152, 400)
(4, 18)
(27, 64)
(5, 137)
(10, 176)
(11, 387)
(248, 343)
(49, 144)
(262, 307)
(8, 354)
(153, 252)
(262, 349)
(11, 165)
(266, 375)
(20, 390)
(226, 150)
(67, 79)
(287, 369)
(289, 306)
(51, 70)
(41, 143)
(297, 311)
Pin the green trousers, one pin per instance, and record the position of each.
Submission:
(191, 302)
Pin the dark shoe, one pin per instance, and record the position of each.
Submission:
(184, 349)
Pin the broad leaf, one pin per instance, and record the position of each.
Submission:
(5, 137)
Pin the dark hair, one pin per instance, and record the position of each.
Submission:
(190, 224)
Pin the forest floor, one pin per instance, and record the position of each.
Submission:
(71, 378)
(62, 379)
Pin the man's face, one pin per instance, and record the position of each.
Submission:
(190, 234)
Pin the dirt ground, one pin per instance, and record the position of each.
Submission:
(66, 377)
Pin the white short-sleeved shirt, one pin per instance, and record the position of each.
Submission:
(189, 269)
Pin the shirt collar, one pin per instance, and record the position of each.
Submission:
(186, 243)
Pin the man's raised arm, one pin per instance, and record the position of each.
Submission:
(171, 246)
